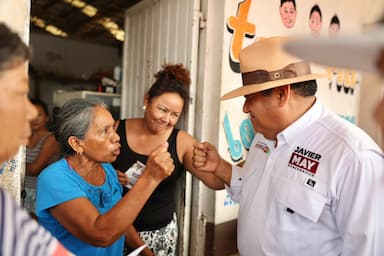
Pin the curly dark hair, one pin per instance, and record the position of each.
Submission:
(172, 78)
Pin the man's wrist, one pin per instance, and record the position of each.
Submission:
(224, 171)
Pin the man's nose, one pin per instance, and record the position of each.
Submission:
(245, 107)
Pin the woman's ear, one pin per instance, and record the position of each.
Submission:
(146, 100)
(76, 144)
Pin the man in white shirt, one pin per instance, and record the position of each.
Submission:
(312, 183)
(19, 234)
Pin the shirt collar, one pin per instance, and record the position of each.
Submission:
(309, 117)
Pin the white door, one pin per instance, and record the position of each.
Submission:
(158, 32)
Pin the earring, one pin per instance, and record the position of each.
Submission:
(145, 107)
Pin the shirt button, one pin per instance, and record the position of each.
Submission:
(240, 179)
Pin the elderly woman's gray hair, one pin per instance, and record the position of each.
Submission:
(74, 119)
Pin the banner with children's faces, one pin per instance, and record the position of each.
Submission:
(250, 20)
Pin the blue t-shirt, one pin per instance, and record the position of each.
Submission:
(59, 183)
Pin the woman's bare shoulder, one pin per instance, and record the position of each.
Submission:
(134, 124)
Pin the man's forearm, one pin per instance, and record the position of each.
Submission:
(224, 172)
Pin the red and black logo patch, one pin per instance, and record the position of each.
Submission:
(304, 160)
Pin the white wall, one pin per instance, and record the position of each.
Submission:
(339, 91)
(158, 32)
(63, 64)
(16, 14)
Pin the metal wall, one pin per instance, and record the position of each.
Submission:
(157, 32)
(204, 231)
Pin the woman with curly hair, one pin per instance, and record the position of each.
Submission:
(156, 225)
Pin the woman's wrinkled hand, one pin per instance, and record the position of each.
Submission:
(159, 165)
(123, 178)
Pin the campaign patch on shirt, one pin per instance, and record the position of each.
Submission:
(304, 160)
(310, 183)
(262, 146)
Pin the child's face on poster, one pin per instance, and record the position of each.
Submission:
(288, 14)
(315, 23)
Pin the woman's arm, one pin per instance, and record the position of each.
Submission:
(133, 240)
(185, 142)
(81, 218)
(49, 148)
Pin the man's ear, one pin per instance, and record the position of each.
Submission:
(282, 94)
(76, 144)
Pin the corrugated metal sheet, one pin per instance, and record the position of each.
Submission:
(157, 32)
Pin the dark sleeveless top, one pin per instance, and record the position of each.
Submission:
(158, 211)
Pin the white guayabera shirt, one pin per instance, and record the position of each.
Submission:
(317, 192)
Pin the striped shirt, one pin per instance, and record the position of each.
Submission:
(21, 235)
(30, 182)
(32, 153)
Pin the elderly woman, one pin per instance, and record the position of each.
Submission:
(79, 197)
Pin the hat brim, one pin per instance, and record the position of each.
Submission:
(358, 52)
(253, 88)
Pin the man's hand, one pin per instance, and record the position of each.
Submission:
(205, 157)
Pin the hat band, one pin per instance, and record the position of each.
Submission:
(290, 71)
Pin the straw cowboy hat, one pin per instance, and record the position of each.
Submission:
(265, 65)
(358, 52)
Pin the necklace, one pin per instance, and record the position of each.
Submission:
(99, 177)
